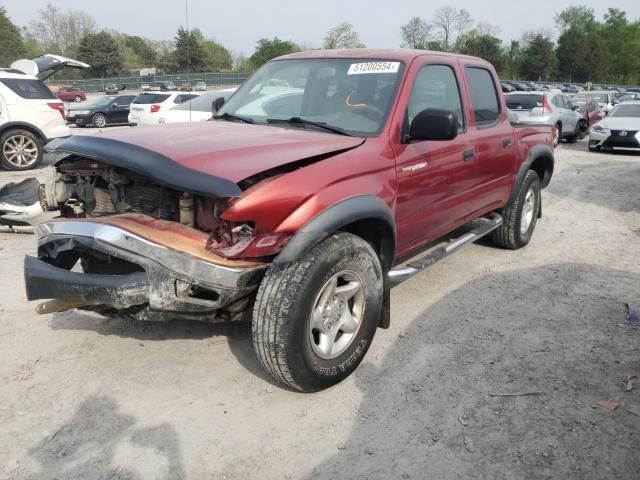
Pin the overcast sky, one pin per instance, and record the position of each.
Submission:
(238, 24)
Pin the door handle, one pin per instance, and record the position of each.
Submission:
(506, 143)
(468, 155)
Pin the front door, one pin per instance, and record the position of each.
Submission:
(433, 176)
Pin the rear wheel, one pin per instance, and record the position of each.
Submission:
(520, 215)
(99, 120)
(557, 135)
(20, 150)
(315, 318)
(77, 99)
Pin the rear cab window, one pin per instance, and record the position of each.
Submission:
(484, 96)
(183, 98)
(29, 89)
(148, 98)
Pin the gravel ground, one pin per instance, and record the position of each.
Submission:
(86, 397)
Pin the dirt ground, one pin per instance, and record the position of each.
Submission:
(83, 397)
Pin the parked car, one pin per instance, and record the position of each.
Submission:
(551, 108)
(589, 109)
(30, 114)
(606, 100)
(507, 87)
(71, 94)
(535, 87)
(200, 86)
(295, 222)
(150, 103)
(111, 89)
(627, 97)
(521, 87)
(167, 86)
(620, 130)
(107, 110)
(194, 110)
(145, 87)
(186, 87)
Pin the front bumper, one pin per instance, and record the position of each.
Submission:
(164, 282)
(78, 120)
(618, 140)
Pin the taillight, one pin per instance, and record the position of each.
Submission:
(57, 106)
(546, 108)
(155, 108)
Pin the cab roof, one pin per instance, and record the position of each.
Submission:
(400, 54)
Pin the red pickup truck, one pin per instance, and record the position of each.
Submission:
(297, 207)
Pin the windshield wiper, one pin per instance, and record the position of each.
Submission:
(304, 121)
(233, 118)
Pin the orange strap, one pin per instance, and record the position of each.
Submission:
(348, 103)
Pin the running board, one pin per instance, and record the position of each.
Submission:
(402, 273)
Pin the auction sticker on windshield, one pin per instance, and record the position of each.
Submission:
(373, 67)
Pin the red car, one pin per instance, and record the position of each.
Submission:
(186, 87)
(297, 208)
(589, 109)
(71, 94)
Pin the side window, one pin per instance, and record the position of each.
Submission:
(557, 101)
(484, 96)
(567, 104)
(436, 87)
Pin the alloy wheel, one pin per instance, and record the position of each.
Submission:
(20, 151)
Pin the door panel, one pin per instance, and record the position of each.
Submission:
(433, 176)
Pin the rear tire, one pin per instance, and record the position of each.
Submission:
(77, 99)
(520, 215)
(20, 150)
(314, 319)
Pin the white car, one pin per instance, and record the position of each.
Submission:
(153, 104)
(30, 114)
(194, 110)
(620, 130)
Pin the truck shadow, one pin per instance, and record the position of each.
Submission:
(560, 330)
(99, 441)
(237, 334)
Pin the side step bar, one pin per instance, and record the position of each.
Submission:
(402, 273)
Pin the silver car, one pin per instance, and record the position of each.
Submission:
(548, 108)
(620, 130)
(606, 99)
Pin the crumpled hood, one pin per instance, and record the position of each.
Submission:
(229, 150)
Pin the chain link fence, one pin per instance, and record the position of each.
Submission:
(214, 79)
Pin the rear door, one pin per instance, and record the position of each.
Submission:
(493, 144)
(119, 108)
(433, 176)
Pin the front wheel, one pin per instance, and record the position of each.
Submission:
(99, 120)
(314, 319)
(520, 215)
(77, 99)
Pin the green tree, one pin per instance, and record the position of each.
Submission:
(143, 49)
(580, 17)
(512, 60)
(342, 36)
(189, 54)
(582, 55)
(416, 33)
(267, 49)
(482, 45)
(101, 52)
(217, 57)
(538, 58)
(11, 44)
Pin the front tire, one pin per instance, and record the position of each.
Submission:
(314, 319)
(558, 135)
(99, 120)
(20, 150)
(520, 215)
(77, 99)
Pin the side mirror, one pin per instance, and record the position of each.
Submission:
(433, 124)
(114, 105)
(217, 104)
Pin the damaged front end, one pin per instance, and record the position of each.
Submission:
(22, 205)
(143, 237)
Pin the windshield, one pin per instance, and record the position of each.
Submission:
(103, 101)
(354, 95)
(202, 103)
(626, 111)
